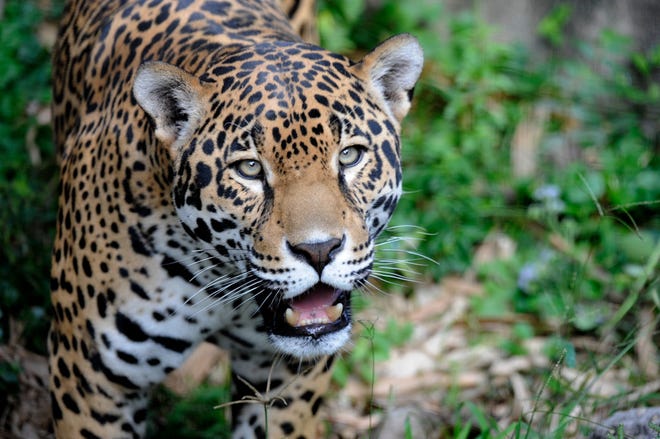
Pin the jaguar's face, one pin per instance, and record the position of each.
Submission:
(287, 165)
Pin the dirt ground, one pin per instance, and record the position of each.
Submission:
(453, 361)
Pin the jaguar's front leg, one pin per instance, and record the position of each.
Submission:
(275, 396)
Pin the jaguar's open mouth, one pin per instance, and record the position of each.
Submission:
(320, 310)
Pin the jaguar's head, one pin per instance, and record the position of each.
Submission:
(286, 164)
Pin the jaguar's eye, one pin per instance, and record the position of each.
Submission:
(251, 169)
(350, 156)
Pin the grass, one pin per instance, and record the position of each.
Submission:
(582, 226)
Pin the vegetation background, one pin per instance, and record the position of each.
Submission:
(532, 201)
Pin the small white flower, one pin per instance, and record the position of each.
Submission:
(548, 192)
(549, 195)
(527, 274)
(532, 271)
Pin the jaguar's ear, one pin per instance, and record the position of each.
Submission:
(171, 97)
(392, 69)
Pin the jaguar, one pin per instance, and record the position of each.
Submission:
(221, 180)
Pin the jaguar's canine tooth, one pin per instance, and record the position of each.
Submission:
(334, 312)
(292, 317)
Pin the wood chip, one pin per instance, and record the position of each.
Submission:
(523, 402)
(197, 368)
(646, 349)
(510, 366)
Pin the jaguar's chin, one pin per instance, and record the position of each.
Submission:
(316, 322)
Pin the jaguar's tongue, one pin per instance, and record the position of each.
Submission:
(314, 307)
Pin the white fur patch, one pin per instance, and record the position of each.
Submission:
(309, 347)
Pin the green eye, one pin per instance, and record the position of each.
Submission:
(350, 156)
(251, 169)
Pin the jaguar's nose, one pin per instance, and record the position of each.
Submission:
(317, 254)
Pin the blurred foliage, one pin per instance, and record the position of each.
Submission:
(28, 172)
(585, 223)
(587, 219)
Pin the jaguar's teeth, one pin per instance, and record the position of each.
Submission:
(296, 319)
(292, 317)
(334, 312)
